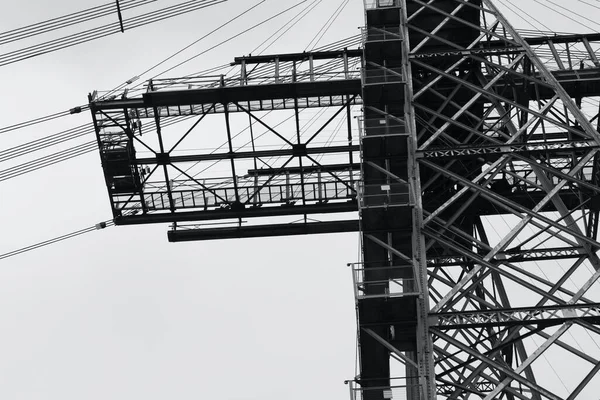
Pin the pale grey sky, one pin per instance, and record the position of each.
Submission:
(123, 314)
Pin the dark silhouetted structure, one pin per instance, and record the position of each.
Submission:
(473, 182)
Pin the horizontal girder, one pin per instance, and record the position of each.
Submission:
(541, 316)
(237, 99)
(228, 213)
(183, 234)
(578, 84)
(297, 57)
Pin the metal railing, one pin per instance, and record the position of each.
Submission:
(382, 126)
(371, 34)
(400, 389)
(382, 75)
(220, 81)
(383, 282)
(213, 193)
(384, 195)
(245, 105)
(372, 4)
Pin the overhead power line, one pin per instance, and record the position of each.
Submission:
(231, 20)
(105, 30)
(47, 161)
(39, 120)
(75, 18)
(101, 225)
(525, 17)
(239, 34)
(564, 14)
(59, 156)
(85, 107)
(45, 142)
(319, 35)
(278, 34)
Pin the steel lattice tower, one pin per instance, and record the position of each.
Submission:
(475, 175)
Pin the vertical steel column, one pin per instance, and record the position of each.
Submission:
(393, 243)
(424, 340)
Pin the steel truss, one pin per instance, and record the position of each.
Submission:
(475, 169)
(303, 166)
(508, 164)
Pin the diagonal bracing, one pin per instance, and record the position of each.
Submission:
(507, 160)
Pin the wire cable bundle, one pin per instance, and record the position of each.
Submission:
(105, 30)
(46, 142)
(75, 18)
(101, 225)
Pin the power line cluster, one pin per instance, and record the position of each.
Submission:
(40, 120)
(48, 160)
(45, 142)
(105, 30)
(67, 135)
(101, 225)
(319, 35)
(64, 21)
(554, 7)
(59, 156)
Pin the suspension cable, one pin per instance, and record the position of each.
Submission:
(64, 21)
(105, 30)
(98, 226)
